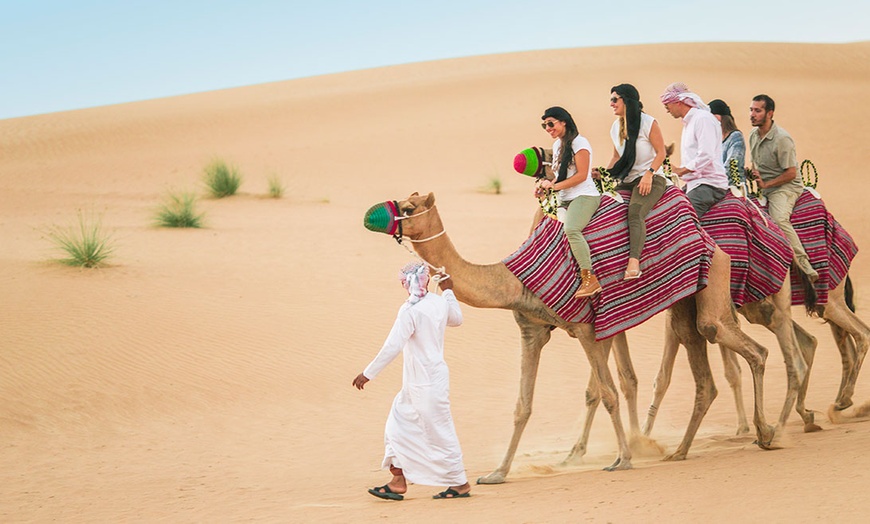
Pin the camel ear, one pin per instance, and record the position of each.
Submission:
(414, 194)
(430, 200)
(669, 149)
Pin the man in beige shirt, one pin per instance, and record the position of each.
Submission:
(774, 168)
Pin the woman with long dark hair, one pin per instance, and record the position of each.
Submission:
(638, 154)
(572, 165)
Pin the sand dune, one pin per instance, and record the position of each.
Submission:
(205, 375)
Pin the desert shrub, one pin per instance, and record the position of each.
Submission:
(179, 210)
(86, 244)
(222, 179)
(276, 187)
(493, 185)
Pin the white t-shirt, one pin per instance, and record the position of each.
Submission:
(644, 151)
(587, 187)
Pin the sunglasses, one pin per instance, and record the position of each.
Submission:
(547, 124)
(614, 99)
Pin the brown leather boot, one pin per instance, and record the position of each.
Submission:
(589, 285)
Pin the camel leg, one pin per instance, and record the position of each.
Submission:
(774, 313)
(627, 380)
(597, 352)
(683, 320)
(593, 398)
(663, 379)
(852, 351)
(848, 355)
(534, 337)
(735, 381)
(807, 345)
(628, 384)
(718, 324)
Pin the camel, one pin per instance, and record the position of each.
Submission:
(773, 312)
(707, 316)
(851, 335)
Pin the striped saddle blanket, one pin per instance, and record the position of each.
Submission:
(829, 247)
(760, 253)
(675, 263)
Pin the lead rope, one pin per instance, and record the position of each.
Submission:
(440, 272)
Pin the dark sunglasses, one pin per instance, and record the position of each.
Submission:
(547, 124)
(613, 99)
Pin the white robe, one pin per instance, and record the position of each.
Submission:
(419, 436)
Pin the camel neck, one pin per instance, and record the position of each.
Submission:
(486, 286)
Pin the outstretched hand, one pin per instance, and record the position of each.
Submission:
(360, 381)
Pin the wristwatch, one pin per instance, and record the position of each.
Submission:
(651, 170)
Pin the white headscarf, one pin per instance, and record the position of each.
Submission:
(415, 279)
(679, 92)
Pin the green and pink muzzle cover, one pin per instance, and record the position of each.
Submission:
(381, 218)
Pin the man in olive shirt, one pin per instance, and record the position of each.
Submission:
(775, 170)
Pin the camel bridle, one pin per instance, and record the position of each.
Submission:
(399, 236)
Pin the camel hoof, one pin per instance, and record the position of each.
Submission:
(811, 427)
(620, 464)
(572, 460)
(674, 457)
(766, 445)
(764, 437)
(493, 478)
(840, 406)
(851, 414)
(742, 430)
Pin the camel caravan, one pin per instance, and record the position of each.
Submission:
(700, 272)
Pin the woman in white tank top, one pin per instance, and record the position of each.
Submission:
(638, 155)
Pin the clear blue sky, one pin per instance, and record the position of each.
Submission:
(70, 54)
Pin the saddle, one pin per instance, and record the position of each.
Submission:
(675, 263)
(829, 247)
(760, 253)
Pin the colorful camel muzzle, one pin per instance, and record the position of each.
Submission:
(383, 218)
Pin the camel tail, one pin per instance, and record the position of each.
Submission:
(849, 294)
(810, 297)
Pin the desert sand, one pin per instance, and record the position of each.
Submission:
(205, 375)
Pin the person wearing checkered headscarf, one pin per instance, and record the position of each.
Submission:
(420, 442)
(701, 166)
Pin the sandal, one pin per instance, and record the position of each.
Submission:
(384, 492)
(451, 493)
(632, 275)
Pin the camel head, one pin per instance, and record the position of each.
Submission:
(397, 218)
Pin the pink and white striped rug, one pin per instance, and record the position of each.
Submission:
(760, 253)
(675, 263)
(829, 247)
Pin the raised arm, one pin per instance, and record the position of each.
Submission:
(454, 313)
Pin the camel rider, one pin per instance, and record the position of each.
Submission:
(774, 168)
(700, 148)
